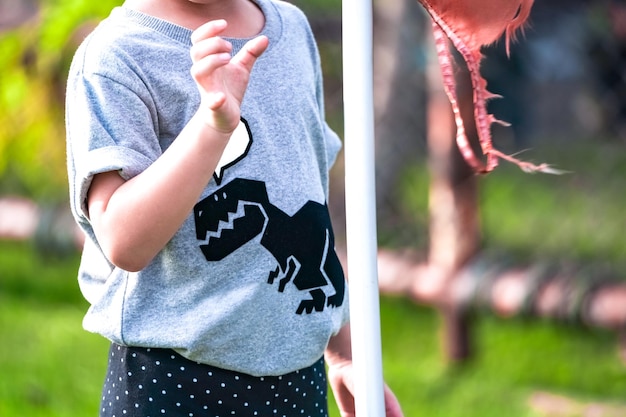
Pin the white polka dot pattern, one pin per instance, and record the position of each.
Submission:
(144, 382)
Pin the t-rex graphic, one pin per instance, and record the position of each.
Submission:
(302, 244)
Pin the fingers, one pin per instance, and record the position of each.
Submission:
(342, 384)
(251, 51)
(209, 47)
(392, 406)
(206, 44)
(221, 78)
(208, 30)
(215, 48)
(208, 53)
(215, 100)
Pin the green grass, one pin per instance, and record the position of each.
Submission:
(576, 216)
(513, 359)
(580, 214)
(50, 367)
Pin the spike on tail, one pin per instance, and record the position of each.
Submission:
(469, 26)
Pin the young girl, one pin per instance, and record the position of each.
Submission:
(209, 259)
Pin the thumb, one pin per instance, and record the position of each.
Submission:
(251, 51)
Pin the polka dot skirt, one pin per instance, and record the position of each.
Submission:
(144, 382)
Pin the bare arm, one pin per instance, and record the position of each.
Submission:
(339, 349)
(135, 219)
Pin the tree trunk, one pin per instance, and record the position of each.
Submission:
(453, 206)
(399, 96)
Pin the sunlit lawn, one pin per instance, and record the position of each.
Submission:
(50, 367)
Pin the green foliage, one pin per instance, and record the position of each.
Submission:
(49, 365)
(26, 275)
(35, 59)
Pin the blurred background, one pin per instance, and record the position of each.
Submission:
(505, 298)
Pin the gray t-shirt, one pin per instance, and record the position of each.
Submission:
(251, 281)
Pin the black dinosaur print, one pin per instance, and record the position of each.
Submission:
(302, 244)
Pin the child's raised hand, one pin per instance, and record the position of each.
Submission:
(222, 80)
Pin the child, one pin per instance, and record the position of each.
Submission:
(209, 260)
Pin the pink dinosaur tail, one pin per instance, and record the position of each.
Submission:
(469, 25)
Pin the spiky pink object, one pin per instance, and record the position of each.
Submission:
(469, 25)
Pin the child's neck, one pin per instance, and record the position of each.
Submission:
(244, 17)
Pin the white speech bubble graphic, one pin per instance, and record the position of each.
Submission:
(236, 149)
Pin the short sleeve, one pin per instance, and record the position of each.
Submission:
(111, 126)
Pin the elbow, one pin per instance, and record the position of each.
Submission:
(124, 247)
(129, 264)
(127, 257)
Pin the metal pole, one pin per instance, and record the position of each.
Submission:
(361, 207)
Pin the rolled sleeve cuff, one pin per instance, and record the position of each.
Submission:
(127, 162)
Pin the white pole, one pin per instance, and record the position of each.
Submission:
(361, 206)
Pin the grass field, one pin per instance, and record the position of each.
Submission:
(50, 367)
